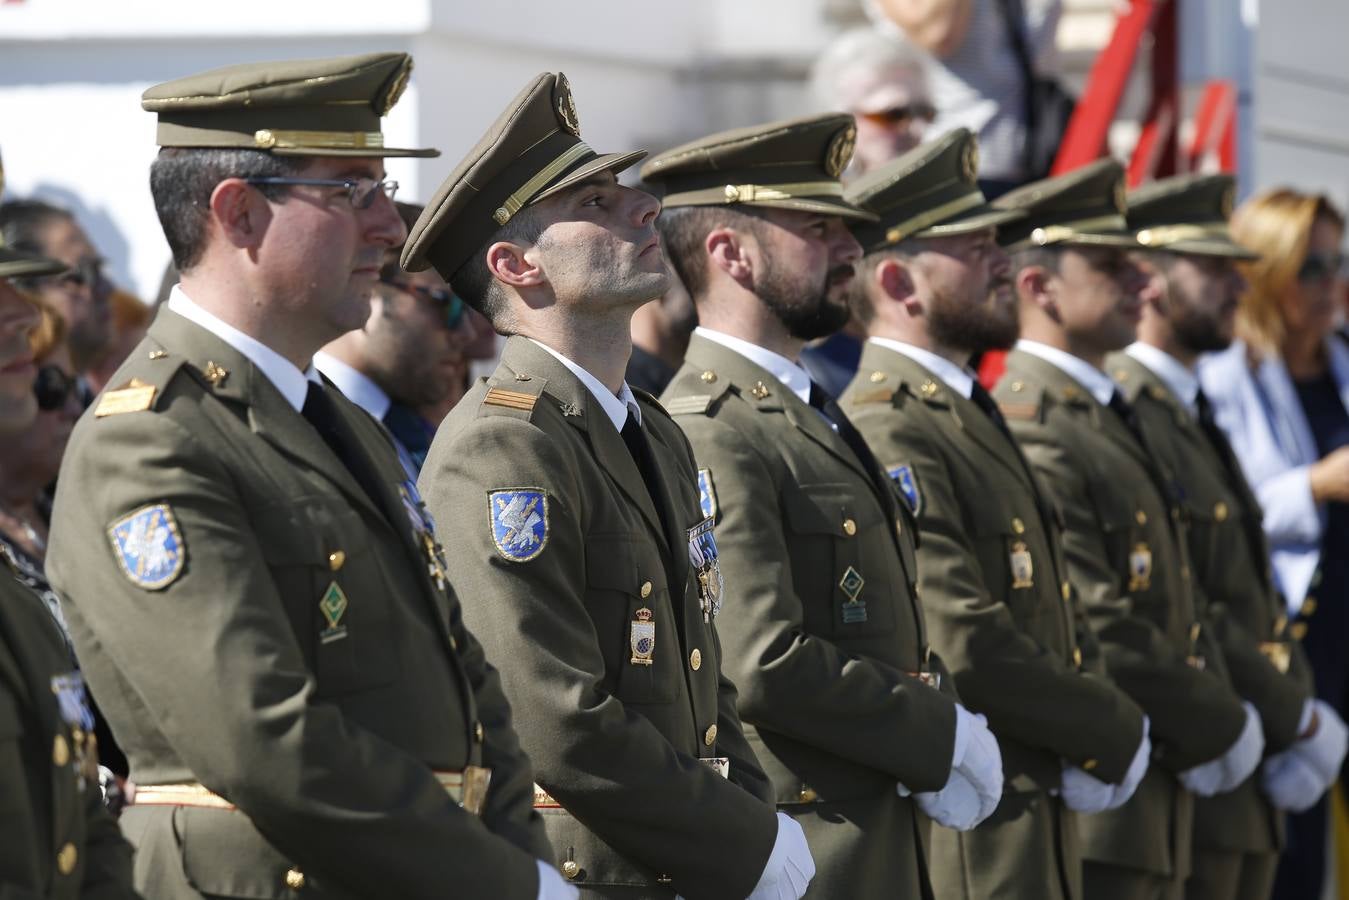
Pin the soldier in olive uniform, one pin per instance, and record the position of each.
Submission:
(825, 638)
(59, 840)
(934, 289)
(255, 589)
(1190, 309)
(1124, 541)
(583, 559)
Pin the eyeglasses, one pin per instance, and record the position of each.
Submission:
(446, 300)
(360, 191)
(53, 388)
(1320, 266)
(85, 273)
(900, 115)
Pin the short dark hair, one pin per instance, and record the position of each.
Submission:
(474, 282)
(684, 230)
(22, 222)
(181, 182)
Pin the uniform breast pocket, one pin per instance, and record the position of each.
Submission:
(1012, 553)
(630, 606)
(335, 594)
(843, 558)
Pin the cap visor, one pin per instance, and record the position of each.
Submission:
(377, 152)
(1212, 247)
(15, 264)
(825, 205)
(976, 219)
(609, 162)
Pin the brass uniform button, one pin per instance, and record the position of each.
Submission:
(1298, 630)
(454, 645)
(1220, 511)
(60, 751)
(294, 879)
(1089, 765)
(336, 560)
(1141, 517)
(477, 732)
(808, 794)
(1077, 657)
(696, 659)
(849, 527)
(571, 868)
(1018, 526)
(1309, 606)
(66, 858)
(710, 737)
(1194, 631)
(1067, 590)
(877, 377)
(646, 589)
(709, 377)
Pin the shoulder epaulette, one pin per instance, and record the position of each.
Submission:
(692, 404)
(1022, 411)
(649, 399)
(143, 390)
(704, 390)
(516, 397)
(869, 396)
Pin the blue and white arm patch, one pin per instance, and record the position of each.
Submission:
(906, 480)
(519, 520)
(149, 547)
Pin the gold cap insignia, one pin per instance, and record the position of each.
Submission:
(840, 151)
(566, 106)
(969, 161)
(396, 88)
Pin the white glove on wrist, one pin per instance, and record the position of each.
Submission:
(974, 787)
(1290, 782)
(1217, 776)
(1138, 767)
(956, 806)
(790, 866)
(1324, 750)
(552, 886)
(1084, 793)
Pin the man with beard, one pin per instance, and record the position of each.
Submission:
(1124, 539)
(852, 715)
(592, 575)
(934, 290)
(1189, 309)
(402, 358)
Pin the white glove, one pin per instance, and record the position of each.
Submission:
(1324, 750)
(956, 806)
(790, 866)
(552, 886)
(1137, 768)
(1290, 782)
(1085, 793)
(974, 787)
(1218, 776)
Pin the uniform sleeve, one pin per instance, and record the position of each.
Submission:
(792, 682)
(19, 862)
(240, 709)
(606, 764)
(1277, 697)
(1026, 692)
(1194, 716)
(1291, 513)
(107, 855)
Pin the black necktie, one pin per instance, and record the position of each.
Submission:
(985, 401)
(834, 415)
(1169, 489)
(322, 414)
(635, 438)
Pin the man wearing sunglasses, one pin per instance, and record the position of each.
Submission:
(404, 358)
(254, 586)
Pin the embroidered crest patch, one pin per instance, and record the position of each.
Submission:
(149, 547)
(903, 477)
(519, 518)
(707, 493)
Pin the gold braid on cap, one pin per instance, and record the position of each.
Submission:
(516, 201)
(1165, 235)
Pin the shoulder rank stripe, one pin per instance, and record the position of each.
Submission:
(696, 403)
(873, 395)
(135, 397)
(510, 399)
(1019, 410)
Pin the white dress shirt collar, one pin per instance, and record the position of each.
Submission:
(957, 379)
(1097, 383)
(1182, 382)
(358, 387)
(796, 379)
(281, 372)
(616, 407)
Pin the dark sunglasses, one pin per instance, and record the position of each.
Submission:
(53, 388)
(1320, 266)
(86, 273)
(445, 299)
(900, 115)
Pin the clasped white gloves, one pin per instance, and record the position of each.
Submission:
(1296, 778)
(790, 866)
(1085, 793)
(1218, 776)
(974, 787)
(552, 886)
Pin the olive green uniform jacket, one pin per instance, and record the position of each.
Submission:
(826, 671)
(1230, 560)
(324, 737)
(995, 590)
(616, 743)
(1127, 559)
(59, 841)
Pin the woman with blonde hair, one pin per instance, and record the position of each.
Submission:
(1281, 393)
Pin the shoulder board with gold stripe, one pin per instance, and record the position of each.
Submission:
(873, 395)
(510, 399)
(136, 396)
(694, 403)
(1019, 410)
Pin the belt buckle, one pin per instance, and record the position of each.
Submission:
(476, 780)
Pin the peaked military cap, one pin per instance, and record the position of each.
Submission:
(299, 107)
(1187, 214)
(13, 263)
(532, 151)
(794, 164)
(1085, 206)
(928, 192)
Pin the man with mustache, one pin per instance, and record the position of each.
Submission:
(254, 588)
(853, 717)
(582, 556)
(1189, 309)
(934, 290)
(1124, 536)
